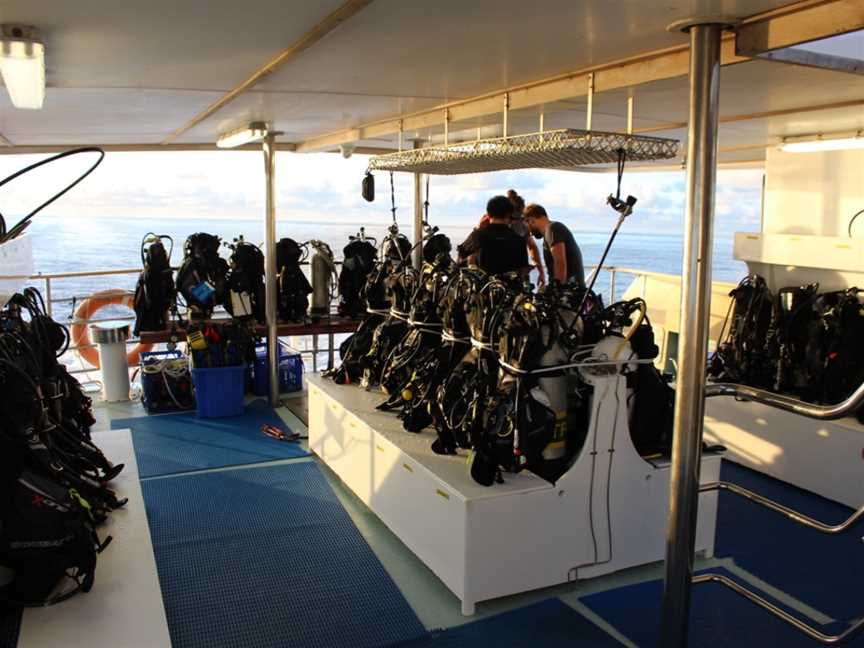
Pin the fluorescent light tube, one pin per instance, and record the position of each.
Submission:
(837, 144)
(254, 132)
(22, 64)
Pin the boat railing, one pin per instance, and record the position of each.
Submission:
(63, 307)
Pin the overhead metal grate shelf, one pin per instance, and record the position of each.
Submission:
(554, 149)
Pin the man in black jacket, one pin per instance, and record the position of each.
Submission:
(493, 246)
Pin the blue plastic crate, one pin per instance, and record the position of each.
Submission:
(164, 393)
(290, 371)
(219, 392)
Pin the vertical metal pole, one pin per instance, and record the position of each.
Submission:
(693, 331)
(418, 217)
(630, 115)
(270, 269)
(48, 305)
(612, 285)
(506, 123)
(589, 110)
(331, 351)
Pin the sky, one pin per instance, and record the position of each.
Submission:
(326, 187)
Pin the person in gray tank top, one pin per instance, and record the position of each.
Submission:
(562, 256)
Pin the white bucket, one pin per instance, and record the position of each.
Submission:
(16, 265)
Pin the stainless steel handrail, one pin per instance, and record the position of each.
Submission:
(810, 631)
(821, 412)
(792, 514)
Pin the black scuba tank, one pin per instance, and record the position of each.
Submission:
(359, 259)
(293, 286)
(246, 281)
(155, 292)
(202, 277)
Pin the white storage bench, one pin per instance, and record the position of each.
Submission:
(524, 534)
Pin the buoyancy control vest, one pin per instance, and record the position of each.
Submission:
(359, 259)
(155, 292)
(53, 479)
(748, 352)
(202, 277)
(293, 286)
(409, 376)
(246, 281)
(48, 537)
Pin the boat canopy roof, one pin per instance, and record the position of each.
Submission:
(165, 75)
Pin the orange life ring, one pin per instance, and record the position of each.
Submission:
(80, 336)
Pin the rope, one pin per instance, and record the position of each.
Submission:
(447, 336)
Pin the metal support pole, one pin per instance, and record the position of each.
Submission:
(270, 269)
(418, 218)
(693, 330)
(331, 351)
(314, 352)
(48, 296)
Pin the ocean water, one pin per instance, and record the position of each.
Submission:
(89, 244)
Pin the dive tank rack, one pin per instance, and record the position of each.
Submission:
(809, 410)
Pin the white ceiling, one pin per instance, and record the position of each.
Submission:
(133, 72)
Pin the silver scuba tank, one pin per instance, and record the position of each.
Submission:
(323, 270)
(554, 389)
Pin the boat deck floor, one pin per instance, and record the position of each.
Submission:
(435, 606)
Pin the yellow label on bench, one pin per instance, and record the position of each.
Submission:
(442, 493)
(407, 467)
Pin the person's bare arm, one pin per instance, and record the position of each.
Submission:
(534, 253)
(559, 254)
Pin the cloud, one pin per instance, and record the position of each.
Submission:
(230, 185)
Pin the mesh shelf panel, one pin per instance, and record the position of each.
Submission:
(555, 149)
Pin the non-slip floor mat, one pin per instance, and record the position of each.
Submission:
(10, 626)
(824, 571)
(550, 624)
(258, 557)
(176, 443)
(718, 617)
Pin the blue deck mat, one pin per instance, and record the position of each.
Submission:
(10, 626)
(551, 624)
(269, 557)
(718, 617)
(823, 571)
(176, 443)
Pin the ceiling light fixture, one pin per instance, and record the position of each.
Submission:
(22, 65)
(253, 132)
(840, 142)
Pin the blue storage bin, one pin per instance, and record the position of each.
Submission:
(219, 392)
(290, 371)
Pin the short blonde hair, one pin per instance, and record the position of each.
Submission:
(535, 211)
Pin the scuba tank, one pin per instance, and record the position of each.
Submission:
(323, 271)
(293, 286)
(202, 276)
(359, 259)
(155, 292)
(245, 281)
